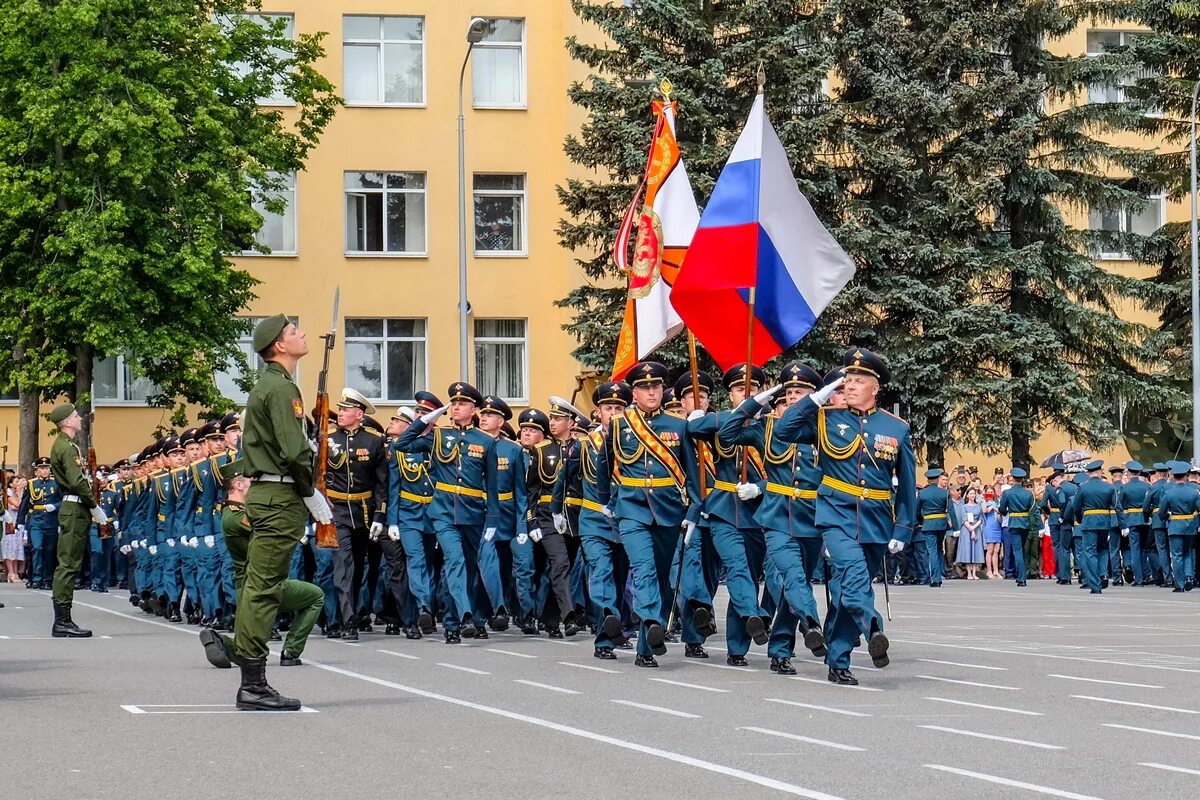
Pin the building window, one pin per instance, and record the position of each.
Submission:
(9, 396)
(385, 213)
(227, 379)
(499, 214)
(114, 381)
(498, 71)
(1144, 221)
(383, 60)
(502, 358)
(278, 231)
(385, 358)
(277, 96)
(1101, 42)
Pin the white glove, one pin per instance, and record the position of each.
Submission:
(688, 529)
(606, 511)
(748, 491)
(393, 532)
(560, 523)
(135, 544)
(536, 535)
(955, 534)
(50, 507)
(522, 538)
(821, 396)
(697, 414)
(125, 549)
(895, 546)
(433, 415)
(170, 542)
(489, 534)
(304, 538)
(21, 529)
(116, 523)
(210, 541)
(376, 530)
(153, 549)
(1124, 531)
(764, 398)
(145, 542)
(318, 506)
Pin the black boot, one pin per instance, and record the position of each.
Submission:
(64, 627)
(215, 649)
(255, 694)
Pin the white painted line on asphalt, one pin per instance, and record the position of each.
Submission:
(590, 667)
(690, 685)
(679, 758)
(1169, 768)
(130, 709)
(960, 664)
(400, 655)
(509, 652)
(197, 708)
(1131, 703)
(834, 685)
(817, 708)
(39, 637)
(546, 686)
(1033, 787)
(696, 662)
(1110, 683)
(462, 669)
(1151, 730)
(1025, 742)
(970, 683)
(659, 709)
(1040, 654)
(805, 739)
(989, 708)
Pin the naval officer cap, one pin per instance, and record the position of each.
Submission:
(1018, 472)
(60, 412)
(352, 398)
(683, 386)
(267, 331)
(862, 361)
(533, 418)
(647, 373)
(494, 405)
(405, 414)
(802, 375)
(559, 410)
(933, 473)
(612, 392)
(465, 392)
(736, 375)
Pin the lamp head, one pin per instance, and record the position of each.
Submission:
(476, 30)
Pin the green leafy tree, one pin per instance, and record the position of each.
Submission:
(132, 146)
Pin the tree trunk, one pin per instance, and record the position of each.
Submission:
(84, 354)
(935, 451)
(27, 430)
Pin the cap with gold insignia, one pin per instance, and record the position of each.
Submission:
(60, 412)
(267, 331)
(494, 405)
(405, 413)
(683, 386)
(230, 422)
(172, 444)
(736, 375)
(800, 374)
(464, 391)
(647, 373)
(427, 401)
(862, 361)
(352, 398)
(670, 401)
(533, 418)
(558, 410)
(188, 437)
(210, 430)
(832, 375)
(612, 392)
(43, 461)
(121, 464)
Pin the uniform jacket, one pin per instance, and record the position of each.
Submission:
(274, 439)
(458, 467)
(1151, 503)
(1094, 505)
(32, 511)
(935, 512)
(1066, 499)
(545, 464)
(409, 489)
(506, 497)
(356, 477)
(1017, 503)
(1178, 508)
(583, 466)
(650, 490)
(66, 467)
(1133, 498)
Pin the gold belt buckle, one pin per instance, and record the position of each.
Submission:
(649, 481)
(865, 492)
(795, 492)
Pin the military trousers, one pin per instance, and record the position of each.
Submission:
(853, 613)
(1016, 537)
(396, 560)
(420, 554)
(208, 575)
(742, 552)
(650, 549)
(797, 561)
(460, 571)
(101, 551)
(189, 568)
(1062, 551)
(524, 569)
(697, 580)
(1183, 558)
(607, 571)
(73, 523)
(277, 516)
(1087, 558)
(919, 555)
(554, 555)
(348, 572)
(43, 546)
(495, 571)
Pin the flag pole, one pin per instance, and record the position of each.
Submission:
(696, 400)
(762, 82)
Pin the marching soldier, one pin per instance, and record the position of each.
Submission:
(356, 485)
(699, 574)
(1094, 506)
(935, 516)
(411, 542)
(185, 521)
(38, 514)
(1111, 545)
(100, 538)
(533, 427)
(78, 512)
(859, 513)
(1017, 503)
(1178, 510)
(122, 567)
(167, 489)
(505, 511)
(656, 475)
(205, 528)
(1158, 528)
(1133, 497)
(227, 449)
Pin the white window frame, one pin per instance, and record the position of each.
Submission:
(259, 18)
(1121, 87)
(423, 253)
(1158, 197)
(245, 343)
(521, 340)
(522, 48)
(524, 227)
(122, 398)
(294, 208)
(382, 70)
(383, 361)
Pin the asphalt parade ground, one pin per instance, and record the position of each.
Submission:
(992, 692)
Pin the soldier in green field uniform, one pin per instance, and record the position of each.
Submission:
(75, 516)
(280, 462)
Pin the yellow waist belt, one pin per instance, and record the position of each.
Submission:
(1013, 514)
(463, 490)
(1055, 510)
(39, 508)
(861, 492)
(1133, 511)
(343, 496)
(647, 483)
(934, 516)
(502, 496)
(416, 498)
(792, 491)
(1183, 516)
(1092, 511)
(724, 486)
(546, 498)
(582, 502)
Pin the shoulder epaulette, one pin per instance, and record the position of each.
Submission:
(893, 416)
(372, 431)
(543, 443)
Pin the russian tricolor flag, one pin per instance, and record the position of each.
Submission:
(758, 231)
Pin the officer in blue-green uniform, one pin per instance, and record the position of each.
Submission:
(606, 561)
(39, 514)
(170, 576)
(533, 426)
(1093, 507)
(729, 508)
(205, 477)
(506, 501)
(1133, 496)
(1110, 546)
(786, 514)
(127, 514)
(859, 512)
(1158, 528)
(1053, 510)
(186, 491)
(230, 428)
(657, 476)
(1017, 503)
(1178, 509)
(102, 548)
(141, 526)
(458, 468)
(408, 530)
(700, 573)
(935, 516)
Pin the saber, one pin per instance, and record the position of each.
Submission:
(887, 595)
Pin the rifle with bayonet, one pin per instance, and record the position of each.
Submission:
(93, 471)
(326, 533)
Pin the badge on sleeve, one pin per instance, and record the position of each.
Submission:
(298, 407)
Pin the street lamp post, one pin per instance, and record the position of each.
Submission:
(475, 33)
(1195, 292)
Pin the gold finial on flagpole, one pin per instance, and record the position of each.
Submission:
(665, 87)
(762, 75)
